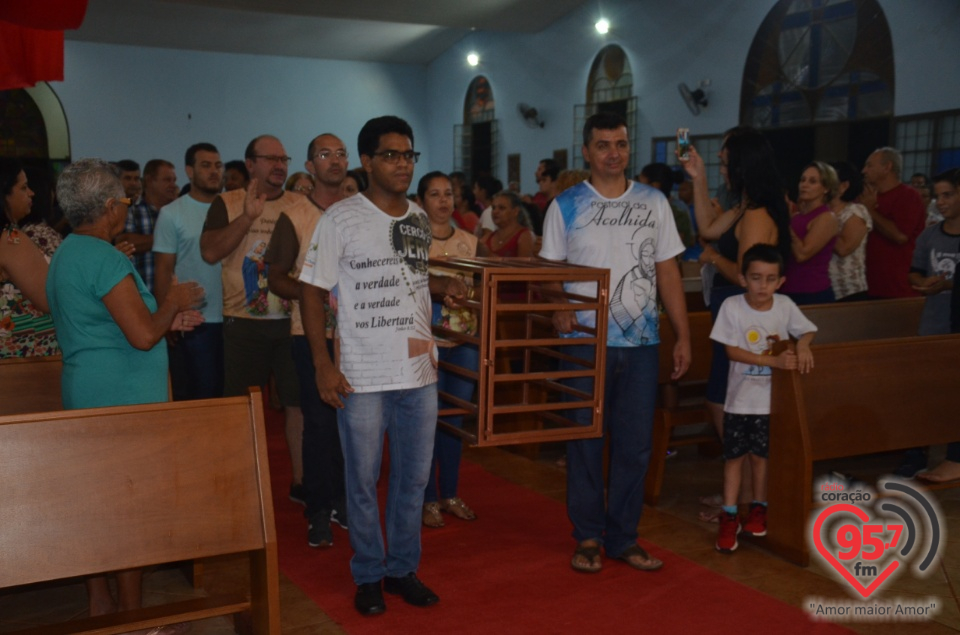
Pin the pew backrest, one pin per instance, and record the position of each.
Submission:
(30, 384)
(861, 398)
(106, 489)
(870, 320)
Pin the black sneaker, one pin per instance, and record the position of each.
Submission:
(369, 599)
(296, 494)
(339, 516)
(411, 589)
(318, 531)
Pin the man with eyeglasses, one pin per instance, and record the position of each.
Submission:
(256, 323)
(372, 250)
(323, 487)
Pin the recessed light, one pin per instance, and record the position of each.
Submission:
(602, 26)
(473, 59)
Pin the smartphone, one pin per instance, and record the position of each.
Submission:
(683, 144)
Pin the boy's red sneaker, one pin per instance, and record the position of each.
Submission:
(727, 536)
(756, 524)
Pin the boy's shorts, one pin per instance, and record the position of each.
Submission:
(745, 434)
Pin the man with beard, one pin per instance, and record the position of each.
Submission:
(196, 357)
(323, 487)
(256, 323)
(159, 188)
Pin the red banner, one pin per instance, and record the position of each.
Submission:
(49, 15)
(31, 40)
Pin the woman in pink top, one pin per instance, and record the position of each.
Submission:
(813, 228)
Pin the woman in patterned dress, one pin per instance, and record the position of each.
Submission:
(26, 328)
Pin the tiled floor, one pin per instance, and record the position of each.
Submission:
(673, 525)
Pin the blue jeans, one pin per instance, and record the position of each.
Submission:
(630, 391)
(322, 456)
(196, 363)
(409, 418)
(445, 469)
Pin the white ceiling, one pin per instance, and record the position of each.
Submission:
(401, 31)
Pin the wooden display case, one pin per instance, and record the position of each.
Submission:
(520, 396)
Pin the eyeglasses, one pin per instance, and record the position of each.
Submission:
(124, 201)
(272, 158)
(323, 155)
(393, 156)
(304, 189)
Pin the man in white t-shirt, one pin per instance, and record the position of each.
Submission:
(372, 251)
(617, 224)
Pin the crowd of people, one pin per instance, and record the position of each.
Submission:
(319, 284)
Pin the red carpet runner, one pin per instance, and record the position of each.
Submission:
(508, 572)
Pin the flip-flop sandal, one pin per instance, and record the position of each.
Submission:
(710, 516)
(649, 564)
(592, 556)
(931, 477)
(716, 500)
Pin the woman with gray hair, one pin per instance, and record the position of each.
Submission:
(109, 325)
(813, 231)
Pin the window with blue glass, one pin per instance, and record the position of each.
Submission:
(818, 61)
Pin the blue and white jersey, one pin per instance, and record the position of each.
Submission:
(627, 235)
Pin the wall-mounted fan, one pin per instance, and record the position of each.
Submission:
(530, 115)
(694, 99)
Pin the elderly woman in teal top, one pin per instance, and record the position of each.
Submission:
(109, 325)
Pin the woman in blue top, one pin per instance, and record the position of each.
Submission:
(109, 326)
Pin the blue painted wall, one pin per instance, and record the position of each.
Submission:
(142, 103)
(128, 102)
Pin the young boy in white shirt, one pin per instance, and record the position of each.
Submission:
(749, 325)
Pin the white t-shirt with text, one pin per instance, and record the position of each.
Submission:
(377, 266)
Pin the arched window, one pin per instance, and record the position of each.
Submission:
(609, 88)
(33, 124)
(33, 128)
(816, 61)
(475, 143)
(611, 78)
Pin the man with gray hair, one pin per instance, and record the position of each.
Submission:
(898, 218)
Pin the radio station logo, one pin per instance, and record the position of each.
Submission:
(868, 537)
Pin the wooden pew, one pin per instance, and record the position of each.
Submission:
(862, 398)
(30, 384)
(107, 489)
(680, 402)
(871, 320)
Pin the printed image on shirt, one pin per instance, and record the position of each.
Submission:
(761, 343)
(411, 241)
(944, 263)
(629, 235)
(634, 301)
(259, 300)
(410, 238)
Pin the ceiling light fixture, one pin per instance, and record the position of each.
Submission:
(473, 59)
(602, 26)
